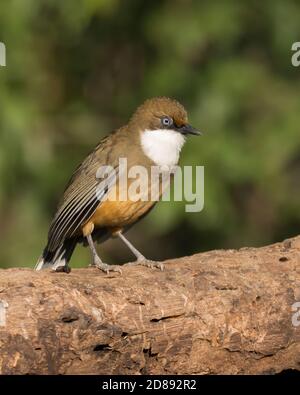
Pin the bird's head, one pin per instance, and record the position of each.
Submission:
(165, 114)
(163, 125)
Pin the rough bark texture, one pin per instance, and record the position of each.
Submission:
(216, 312)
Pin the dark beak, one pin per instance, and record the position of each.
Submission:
(188, 129)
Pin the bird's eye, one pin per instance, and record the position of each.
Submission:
(166, 121)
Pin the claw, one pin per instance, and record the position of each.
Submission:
(147, 263)
(107, 268)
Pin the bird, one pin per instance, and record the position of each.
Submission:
(154, 136)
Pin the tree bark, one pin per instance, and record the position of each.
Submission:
(230, 312)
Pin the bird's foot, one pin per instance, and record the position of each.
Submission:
(105, 267)
(146, 262)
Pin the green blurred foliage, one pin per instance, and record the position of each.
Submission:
(76, 70)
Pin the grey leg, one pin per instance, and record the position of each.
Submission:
(137, 253)
(140, 259)
(96, 261)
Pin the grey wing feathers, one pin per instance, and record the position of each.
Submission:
(81, 198)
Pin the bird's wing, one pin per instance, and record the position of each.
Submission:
(82, 195)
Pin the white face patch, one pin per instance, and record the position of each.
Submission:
(162, 146)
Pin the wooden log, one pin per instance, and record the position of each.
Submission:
(231, 312)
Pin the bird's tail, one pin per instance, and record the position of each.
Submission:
(58, 258)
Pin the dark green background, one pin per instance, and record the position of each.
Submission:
(77, 69)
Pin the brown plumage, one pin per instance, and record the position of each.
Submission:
(83, 213)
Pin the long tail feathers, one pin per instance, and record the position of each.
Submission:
(58, 258)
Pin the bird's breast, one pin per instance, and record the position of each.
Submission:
(124, 205)
(111, 214)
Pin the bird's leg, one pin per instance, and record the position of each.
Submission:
(96, 261)
(140, 259)
(137, 253)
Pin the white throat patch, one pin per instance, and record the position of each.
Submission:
(162, 146)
